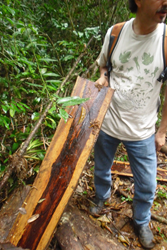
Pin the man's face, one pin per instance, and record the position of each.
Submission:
(153, 10)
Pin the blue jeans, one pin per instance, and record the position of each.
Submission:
(143, 162)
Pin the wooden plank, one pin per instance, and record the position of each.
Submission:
(123, 168)
(61, 168)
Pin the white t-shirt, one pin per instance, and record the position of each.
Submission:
(137, 62)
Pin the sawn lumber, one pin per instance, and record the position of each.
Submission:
(61, 168)
(123, 169)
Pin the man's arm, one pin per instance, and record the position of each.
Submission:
(161, 133)
(103, 80)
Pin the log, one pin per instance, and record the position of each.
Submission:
(9, 211)
(76, 231)
(61, 168)
(123, 169)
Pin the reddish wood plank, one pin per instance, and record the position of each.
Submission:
(61, 168)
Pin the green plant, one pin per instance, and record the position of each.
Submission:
(161, 233)
(162, 194)
(123, 198)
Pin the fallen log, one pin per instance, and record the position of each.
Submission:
(61, 168)
(9, 211)
(77, 231)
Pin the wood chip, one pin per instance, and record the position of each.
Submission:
(33, 218)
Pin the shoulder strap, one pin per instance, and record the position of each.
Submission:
(163, 76)
(115, 33)
(165, 46)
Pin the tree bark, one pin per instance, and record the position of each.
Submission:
(76, 231)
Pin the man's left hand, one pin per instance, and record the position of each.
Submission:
(159, 140)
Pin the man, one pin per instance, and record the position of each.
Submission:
(137, 62)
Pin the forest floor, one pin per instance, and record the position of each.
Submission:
(113, 227)
(116, 218)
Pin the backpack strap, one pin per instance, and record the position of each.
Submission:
(163, 76)
(165, 46)
(115, 33)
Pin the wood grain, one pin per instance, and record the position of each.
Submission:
(61, 168)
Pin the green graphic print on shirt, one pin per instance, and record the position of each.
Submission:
(138, 90)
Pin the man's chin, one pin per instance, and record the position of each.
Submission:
(162, 18)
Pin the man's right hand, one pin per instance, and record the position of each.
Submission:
(103, 80)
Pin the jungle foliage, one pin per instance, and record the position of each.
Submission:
(40, 41)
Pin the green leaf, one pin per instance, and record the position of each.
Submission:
(41, 156)
(52, 110)
(25, 105)
(63, 114)
(53, 81)
(10, 10)
(52, 121)
(21, 107)
(12, 112)
(47, 60)
(15, 146)
(35, 85)
(70, 101)
(43, 71)
(34, 144)
(69, 57)
(35, 116)
(51, 74)
(11, 21)
(5, 108)
(4, 120)
(51, 87)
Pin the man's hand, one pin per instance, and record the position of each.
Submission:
(159, 140)
(161, 133)
(103, 80)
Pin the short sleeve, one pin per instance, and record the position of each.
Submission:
(102, 59)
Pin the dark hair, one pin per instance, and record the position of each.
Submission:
(132, 6)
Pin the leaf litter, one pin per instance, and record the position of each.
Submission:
(116, 217)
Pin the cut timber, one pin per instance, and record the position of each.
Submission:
(61, 168)
(123, 168)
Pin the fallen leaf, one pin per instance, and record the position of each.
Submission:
(33, 218)
(41, 200)
(103, 218)
(123, 239)
(22, 210)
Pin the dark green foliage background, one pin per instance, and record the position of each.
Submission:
(39, 44)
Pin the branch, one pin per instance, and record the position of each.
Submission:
(17, 157)
(75, 64)
(159, 218)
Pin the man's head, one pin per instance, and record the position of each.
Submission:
(132, 6)
(149, 9)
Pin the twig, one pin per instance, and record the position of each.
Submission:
(43, 139)
(70, 15)
(46, 35)
(26, 143)
(16, 157)
(159, 218)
